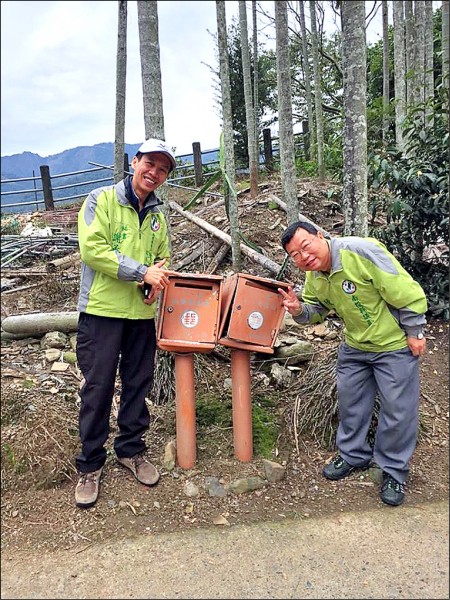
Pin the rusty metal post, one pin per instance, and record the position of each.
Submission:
(185, 410)
(242, 404)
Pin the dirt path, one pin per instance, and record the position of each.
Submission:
(386, 553)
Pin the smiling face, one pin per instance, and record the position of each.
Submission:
(150, 171)
(309, 252)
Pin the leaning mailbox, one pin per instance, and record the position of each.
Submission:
(251, 316)
(189, 313)
(252, 312)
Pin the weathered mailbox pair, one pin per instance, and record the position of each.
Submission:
(196, 312)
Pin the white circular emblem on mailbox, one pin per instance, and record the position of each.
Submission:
(189, 318)
(255, 320)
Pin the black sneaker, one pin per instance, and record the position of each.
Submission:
(392, 492)
(339, 468)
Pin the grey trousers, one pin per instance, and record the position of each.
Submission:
(395, 376)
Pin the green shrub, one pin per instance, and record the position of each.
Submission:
(417, 203)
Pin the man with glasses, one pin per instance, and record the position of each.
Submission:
(383, 310)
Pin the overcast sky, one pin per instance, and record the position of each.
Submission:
(58, 74)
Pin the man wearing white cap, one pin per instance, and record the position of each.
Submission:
(124, 249)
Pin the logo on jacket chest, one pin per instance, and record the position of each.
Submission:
(155, 224)
(348, 286)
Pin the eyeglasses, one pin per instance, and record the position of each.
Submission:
(305, 250)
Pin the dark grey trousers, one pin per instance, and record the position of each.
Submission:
(103, 344)
(395, 376)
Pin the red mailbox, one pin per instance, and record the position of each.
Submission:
(251, 315)
(189, 313)
(188, 322)
(252, 312)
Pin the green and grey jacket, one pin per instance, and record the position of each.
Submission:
(115, 251)
(379, 302)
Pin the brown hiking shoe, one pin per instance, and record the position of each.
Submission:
(86, 492)
(143, 470)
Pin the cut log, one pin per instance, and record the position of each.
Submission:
(4, 335)
(180, 265)
(27, 287)
(264, 261)
(218, 258)
(63, 263)
(37, 323)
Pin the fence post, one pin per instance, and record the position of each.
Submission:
(35, 193)
(126, 164)
(268, 157)
(198, 169)
(47, 187)
(305, 131)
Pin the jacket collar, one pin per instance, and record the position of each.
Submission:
(151, 201)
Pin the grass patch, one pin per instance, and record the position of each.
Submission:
(219, 413)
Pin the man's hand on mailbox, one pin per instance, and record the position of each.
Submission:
(155, 280)
(156, 276)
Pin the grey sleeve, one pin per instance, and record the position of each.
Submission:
(309, 311)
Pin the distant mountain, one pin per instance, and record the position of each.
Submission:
(75, 159)
(68, 161)
(23, 196)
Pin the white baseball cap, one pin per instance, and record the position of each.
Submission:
(154, 145)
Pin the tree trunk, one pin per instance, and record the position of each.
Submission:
(227, 116)
(255, 80)
(249, 105)
(399, 74)
(445, 44)
(63, 263)
(385, 72)
(150, 68)
(428, 64)
(121, 78)
(410, 54)
(317, 90)
(286, 133)
(151, 84)
(307, 78)
(419, 66)
(445, 56)
(355, 122)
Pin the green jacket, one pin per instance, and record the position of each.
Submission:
(115, 251)
(379, 302)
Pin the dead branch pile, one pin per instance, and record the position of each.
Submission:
(315, 407)
(38, 445)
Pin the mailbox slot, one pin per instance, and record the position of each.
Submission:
(189, 313)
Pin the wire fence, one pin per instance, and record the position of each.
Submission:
(44, 191)
(75, 186)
